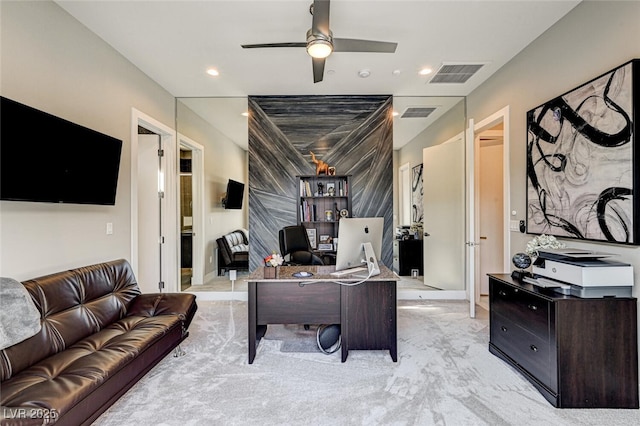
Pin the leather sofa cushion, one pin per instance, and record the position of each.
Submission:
(74, 305)
(61, 380)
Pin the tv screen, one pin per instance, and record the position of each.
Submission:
(45, 158)
(235, 193)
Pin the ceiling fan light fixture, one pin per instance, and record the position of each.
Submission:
(319, 49)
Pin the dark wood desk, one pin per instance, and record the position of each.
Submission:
(366, 312)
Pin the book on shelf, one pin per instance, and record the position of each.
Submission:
(307, 211)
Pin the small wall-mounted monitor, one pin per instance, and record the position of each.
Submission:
(235, 195)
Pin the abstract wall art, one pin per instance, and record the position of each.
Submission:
(417, 208)
(582, 161)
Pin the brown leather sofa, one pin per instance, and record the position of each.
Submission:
(99, 336)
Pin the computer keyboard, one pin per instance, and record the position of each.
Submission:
(348, 271)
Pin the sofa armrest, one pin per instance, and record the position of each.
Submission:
(154, 304)
(224, 250)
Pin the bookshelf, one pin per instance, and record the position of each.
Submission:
(322, 200)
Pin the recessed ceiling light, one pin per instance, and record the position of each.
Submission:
(213, 72)
(364, 73)
(425, 71)
(396, 72)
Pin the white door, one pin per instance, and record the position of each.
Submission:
(150, 183)
(444, 214)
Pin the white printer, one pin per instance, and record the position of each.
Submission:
(589, 274)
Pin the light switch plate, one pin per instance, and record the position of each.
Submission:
(514, 225)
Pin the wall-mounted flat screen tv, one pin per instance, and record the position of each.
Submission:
(235, 194)
(45, 158)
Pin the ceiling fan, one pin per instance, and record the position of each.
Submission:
(321, 43)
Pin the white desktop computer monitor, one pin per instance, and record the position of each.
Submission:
(355, 236)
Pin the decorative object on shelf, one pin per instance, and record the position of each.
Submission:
(320, 189)
(331, 189)
(582, 161)
(344, 213)
(543, 242)
(325, 243)
(311, 232)
(332, 171)
(328, 215)
(416, 230)
(521, 261)
(321, 166)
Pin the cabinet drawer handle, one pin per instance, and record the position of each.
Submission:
(533, 348)
(502, 293)
(533, 307)
(503, 328)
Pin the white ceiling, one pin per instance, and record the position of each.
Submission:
(174, 42)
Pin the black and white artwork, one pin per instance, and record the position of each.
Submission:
(581, 172)
(417, 208)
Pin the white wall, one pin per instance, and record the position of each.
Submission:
(592, 39)
(224, 160)
(53, 63)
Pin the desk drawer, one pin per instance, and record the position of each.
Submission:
(288, 303)
(524, 309)
(528, 350)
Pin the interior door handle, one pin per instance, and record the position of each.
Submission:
(426, 234)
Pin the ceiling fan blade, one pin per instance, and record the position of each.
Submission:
(258, 46)
(355, 45)
(320, 22)
(318, 69)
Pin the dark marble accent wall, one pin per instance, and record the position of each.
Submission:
(352, 133)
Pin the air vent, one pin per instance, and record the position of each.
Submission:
(417, 112)
(455, 73)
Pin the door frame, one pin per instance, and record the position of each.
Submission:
(170, 271)
(197, 179)
(501, 116)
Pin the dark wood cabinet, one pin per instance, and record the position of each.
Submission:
(407, 256)
(578, 352)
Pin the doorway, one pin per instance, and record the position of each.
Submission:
(152, 240)
(491, 201)
(192, 251)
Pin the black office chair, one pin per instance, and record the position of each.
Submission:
(294, 242)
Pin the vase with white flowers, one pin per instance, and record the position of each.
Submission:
(543, 241)
(271, 265)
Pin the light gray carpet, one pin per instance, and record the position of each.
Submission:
(445, 375)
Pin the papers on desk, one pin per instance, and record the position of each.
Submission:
(546, 282)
